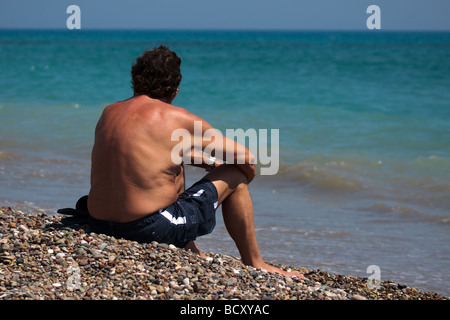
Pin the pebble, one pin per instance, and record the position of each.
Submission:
(358, 297)
(41, 258)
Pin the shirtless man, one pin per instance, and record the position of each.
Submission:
(137, 190)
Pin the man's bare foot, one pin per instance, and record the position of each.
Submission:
(194, 248)
(270, 268)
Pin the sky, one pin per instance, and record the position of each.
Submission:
(407, 15)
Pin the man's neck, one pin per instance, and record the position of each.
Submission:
(165, 100)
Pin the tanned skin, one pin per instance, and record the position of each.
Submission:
(133, 174)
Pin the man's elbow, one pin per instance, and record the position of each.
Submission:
(251, 159)
(252, 166)
(252, 172)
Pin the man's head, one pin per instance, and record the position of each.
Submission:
(157, 74)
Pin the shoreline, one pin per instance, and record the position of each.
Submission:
(42, 258)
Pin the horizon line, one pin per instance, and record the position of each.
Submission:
(221, 29)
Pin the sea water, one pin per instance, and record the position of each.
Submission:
(364, 134)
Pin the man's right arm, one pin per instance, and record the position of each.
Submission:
(214, 143)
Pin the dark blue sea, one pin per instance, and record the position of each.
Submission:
(363, 172)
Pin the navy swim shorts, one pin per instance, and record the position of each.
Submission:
(192, 215)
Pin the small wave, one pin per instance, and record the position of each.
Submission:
(322, 177)
(28, 169)
(324, 233)
(410, 187)
(432, 161)
(403, 212)
(9, 156)
(25, 206)
(311, 233)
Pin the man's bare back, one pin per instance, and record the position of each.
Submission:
(132, 171)
(134, 176)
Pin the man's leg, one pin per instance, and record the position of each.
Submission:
(237, 209)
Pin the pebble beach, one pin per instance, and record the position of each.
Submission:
(44, 258)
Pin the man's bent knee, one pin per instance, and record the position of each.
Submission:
(226, 179)
(228, 173)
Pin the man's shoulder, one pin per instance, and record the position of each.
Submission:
(181, 114)
(157, 111)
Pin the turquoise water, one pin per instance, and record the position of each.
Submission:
(363, 120)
